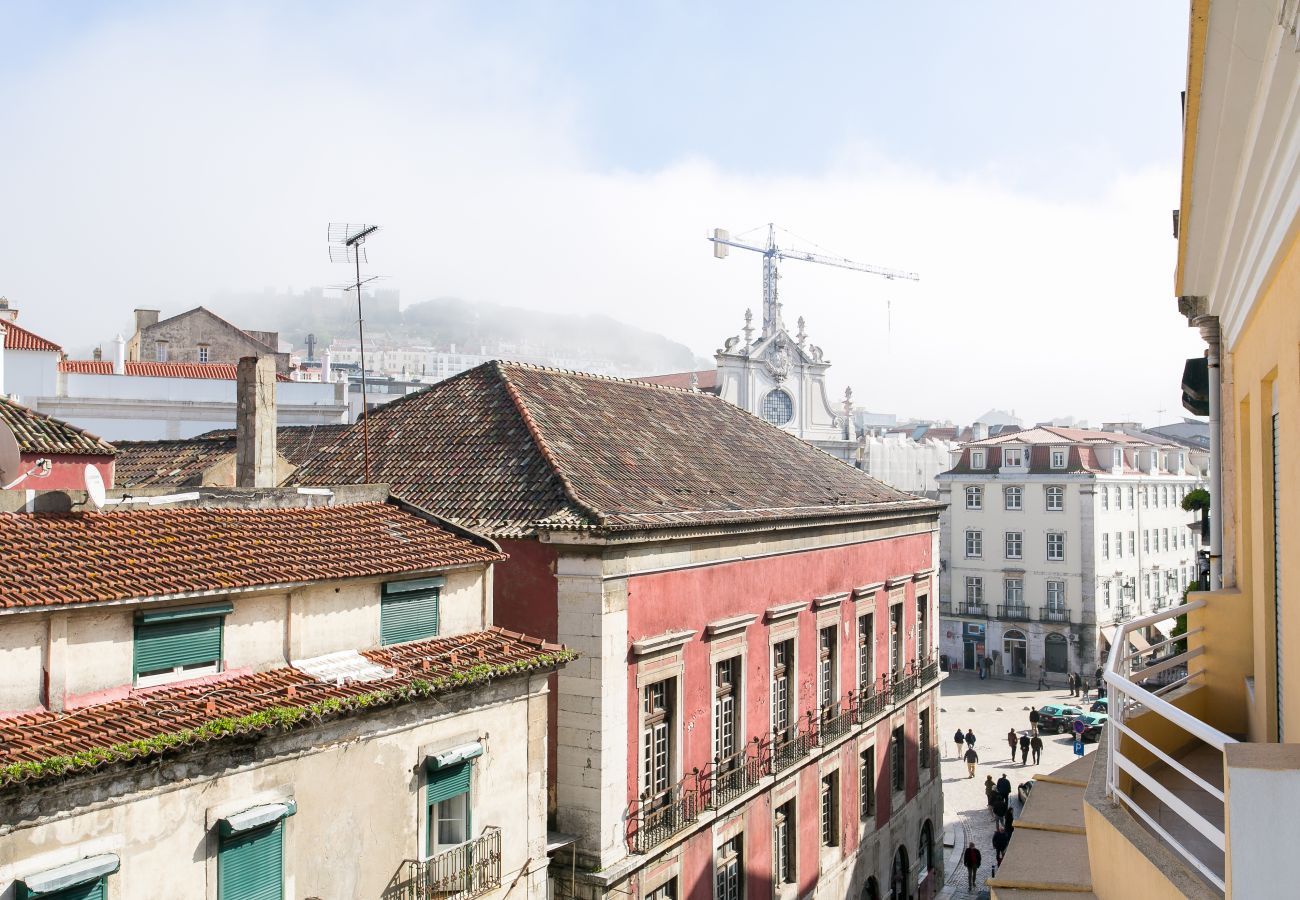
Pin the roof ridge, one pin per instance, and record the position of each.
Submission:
(536, 435)
(28, 411)
(14, 326)
(592, 376)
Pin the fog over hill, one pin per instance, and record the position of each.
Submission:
(445, 321)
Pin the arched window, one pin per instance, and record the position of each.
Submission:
(871, 890)
(925, 847)
(1056, 653)
(974, 497)
(900, 875)
(778, 408)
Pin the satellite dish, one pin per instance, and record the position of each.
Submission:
(95, 487)
(11, 458)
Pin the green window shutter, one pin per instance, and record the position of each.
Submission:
(94, 890)
(250, 865)
(408, 615)
(445, 783)
(180, 642)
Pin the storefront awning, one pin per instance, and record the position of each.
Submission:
(1138, 642)
(1108, 634)
(1165, 627)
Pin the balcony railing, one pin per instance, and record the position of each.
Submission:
(872, 700)
(967, 608)
(733, 776)
(1121, 612)
(1133, 693)
(797, 743)
(906, 681)
(930, 671)
(659, 818)
(465, 871)
(1047, 614)
(1014, 612)
(837, 721)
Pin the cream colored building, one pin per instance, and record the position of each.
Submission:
(265, 694)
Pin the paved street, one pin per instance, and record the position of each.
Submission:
(997, 706)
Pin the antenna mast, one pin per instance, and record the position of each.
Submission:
(348, 241)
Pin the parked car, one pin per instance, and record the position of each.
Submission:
(1100, 706)
(1093, 723)
(1057, 717)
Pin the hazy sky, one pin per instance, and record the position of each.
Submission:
(1023, 157)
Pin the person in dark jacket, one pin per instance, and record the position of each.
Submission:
(971, 758)
(1036, 745)
(1024, 749)
(1008, 821)
(1069, 677)
(1011, 742)
(1004, 787)
(970, 738)
(1000, 841)
(1033, 721)
(960, 740)
(972, 859)
(990, 789)
(1000, 807)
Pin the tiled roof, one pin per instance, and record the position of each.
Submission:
(507, 448)
(46, 745)
(296, 443)
(1052, 434)
(220, 371)
(705, 380)
(57, 558)
(19, 338)
(38, 433)
(183, 462)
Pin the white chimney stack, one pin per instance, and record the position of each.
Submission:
(119, 355)
(325, 365)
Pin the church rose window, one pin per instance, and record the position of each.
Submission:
(778, 408)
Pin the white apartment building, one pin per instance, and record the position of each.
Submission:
(1051, 536)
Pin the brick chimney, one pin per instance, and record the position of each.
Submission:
(7, 313)
(255, 422)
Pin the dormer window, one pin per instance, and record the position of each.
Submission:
(1117, 458)
(977, 459)
(1013, 456)
(1058, 457)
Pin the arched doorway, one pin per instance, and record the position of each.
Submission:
(1014, 650)
(925, 856)
(871, 890)
(1056, 653)
(900, 875)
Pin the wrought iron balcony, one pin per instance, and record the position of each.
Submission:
(793, 746)
(836, 721)
(872, 700)
(906, 681)
(464, 871)
(968, 608)
(930, 671)
(733, 776)
(658, 818)
(1047, 614)
(1014, 612)
(1121, 612)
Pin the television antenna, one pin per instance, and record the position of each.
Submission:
(95, 486)
(347, 245)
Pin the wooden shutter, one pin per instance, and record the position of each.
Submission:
(180, 642)
(447, 782)
(250, 865)
(408, 615)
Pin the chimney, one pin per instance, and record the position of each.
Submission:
(7, 313)
(979, 431)
(255, 423)
(325, 373)
(144, 318)
(97, 354)
(119, 355)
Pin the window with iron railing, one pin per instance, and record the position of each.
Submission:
(922, 627)
(896, 638)
(826, 644)
(657, 739)
(866, 651)
(726, 692)
(782, 670)
(867, 783)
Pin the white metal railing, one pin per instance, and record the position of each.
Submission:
(1130, 685)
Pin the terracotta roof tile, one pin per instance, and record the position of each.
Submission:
(220, 371)
(507, 448)
(93, 736)
(705, 380)
(57, 558)
(296, 443)
(38, 433)
(19, 338)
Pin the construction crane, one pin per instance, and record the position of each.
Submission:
(723, 242)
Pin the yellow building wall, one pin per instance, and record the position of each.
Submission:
(1264, 364)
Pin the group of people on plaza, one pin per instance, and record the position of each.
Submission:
(1026, 742)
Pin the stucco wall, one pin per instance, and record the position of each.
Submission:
(357, 783)
(21, 657)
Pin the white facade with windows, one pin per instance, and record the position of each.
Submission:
(1051, 536)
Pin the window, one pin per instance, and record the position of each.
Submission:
(728, 871)
(830, 805)
(1131, 504)
(922, 627)
(866, 650)
(1145, 498)
(1058, 457)
(974, 590)
(977, 459)
(896, 759)
(408, 610)
(896, 638)
(1055, 595)
(1146, 541)
(784, 831)
(827, 642)
(923, 739)
(782, 671)
(1105, 497)
(726, 691)
(1013, 496)
(203, 353)
(1164, 538)
(974, 497)
(1014, 591)
(1056, 653)
(1117, 458)
(974, 544)
(657, 739)
(867, 783)
(1105, 591)
(1132, 543)
(1105, 546)
(777, 408)
(665, 891)
(250, 863)
(447, 804)
(1119, 545)
(1013, 456)
(160, 351)
(1015, 544)
(1055, 546)
(1056, 499)
(178, 643)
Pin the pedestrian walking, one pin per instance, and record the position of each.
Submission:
(1000, 841)
(1011, 742)
(1070, 680)
(1036, 745)
(1033, 720)
(1008, 821)
(1003, 787)
(971, 758)
(1000, 806)
(1024, 749)
(979, 666)
(960, 740)
(1042, 679)
(972, 860)
(990, 789)
(970, 738)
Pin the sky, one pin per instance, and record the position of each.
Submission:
(1023, 157)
